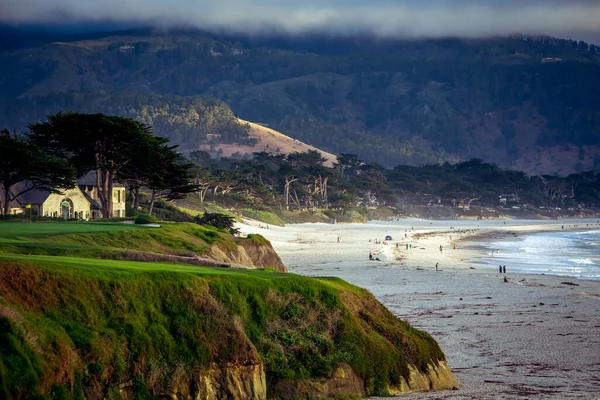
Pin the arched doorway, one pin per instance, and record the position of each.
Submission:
(66, 208)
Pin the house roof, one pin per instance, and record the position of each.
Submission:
(93, 203)
(33, 196)
(89, 179)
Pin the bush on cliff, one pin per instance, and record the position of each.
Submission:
(218, 220)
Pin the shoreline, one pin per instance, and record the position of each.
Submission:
(533, 337)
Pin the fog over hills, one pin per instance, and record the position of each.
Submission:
(389, 18)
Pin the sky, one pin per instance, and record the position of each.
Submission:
(386, 18)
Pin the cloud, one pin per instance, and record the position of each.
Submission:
(399, 18)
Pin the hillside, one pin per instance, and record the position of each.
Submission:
(524, 101)
(267, 140)
(77, 327)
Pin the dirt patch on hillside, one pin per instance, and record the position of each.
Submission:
(271, 141)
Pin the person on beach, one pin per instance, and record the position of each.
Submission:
(338, 239)
(504, 268)
(370, 256)
(499, 269)
(441, 248)
(505, 280)
(406, 246)
(436, 267)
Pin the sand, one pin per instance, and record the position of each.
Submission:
(535, 337)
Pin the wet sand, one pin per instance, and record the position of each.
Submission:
(535, 337)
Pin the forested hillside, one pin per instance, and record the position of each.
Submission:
(187, 121)
(530, 102)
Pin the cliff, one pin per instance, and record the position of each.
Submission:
(87, 311)
(254, 252)
(89, 328)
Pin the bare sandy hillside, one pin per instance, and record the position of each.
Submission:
(270, 141)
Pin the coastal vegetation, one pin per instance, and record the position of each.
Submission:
(75, 325)
(278, 188)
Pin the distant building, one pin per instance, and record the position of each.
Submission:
(81, 202)
(509, 198)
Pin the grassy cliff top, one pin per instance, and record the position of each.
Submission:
(109, 240)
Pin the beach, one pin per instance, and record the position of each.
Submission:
(533, 337)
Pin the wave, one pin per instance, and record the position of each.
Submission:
(575, 254)
(585, 261)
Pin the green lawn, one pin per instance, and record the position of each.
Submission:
(105, 240)
(12, 230)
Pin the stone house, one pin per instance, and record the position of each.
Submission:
(81, 202)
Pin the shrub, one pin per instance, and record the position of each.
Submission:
(218, 220)
(259, 239)
(145, 219)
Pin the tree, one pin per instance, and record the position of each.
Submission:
(203, 179)
(218, 220)
(22, 161)
(97, 142)
(170, 177)
(311, 157)
(142, 167)
(347, 164)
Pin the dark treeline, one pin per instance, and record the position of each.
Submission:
(299, 181)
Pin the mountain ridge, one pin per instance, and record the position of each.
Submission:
(521, 101)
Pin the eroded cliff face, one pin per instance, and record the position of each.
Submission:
(438, 377)
(247, 254)
(217, 382)
(235, 381)
(344, 380)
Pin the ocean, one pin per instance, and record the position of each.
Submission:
(564, 253)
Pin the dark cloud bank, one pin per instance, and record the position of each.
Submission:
(388, 18)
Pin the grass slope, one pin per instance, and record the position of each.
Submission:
(79, 326)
